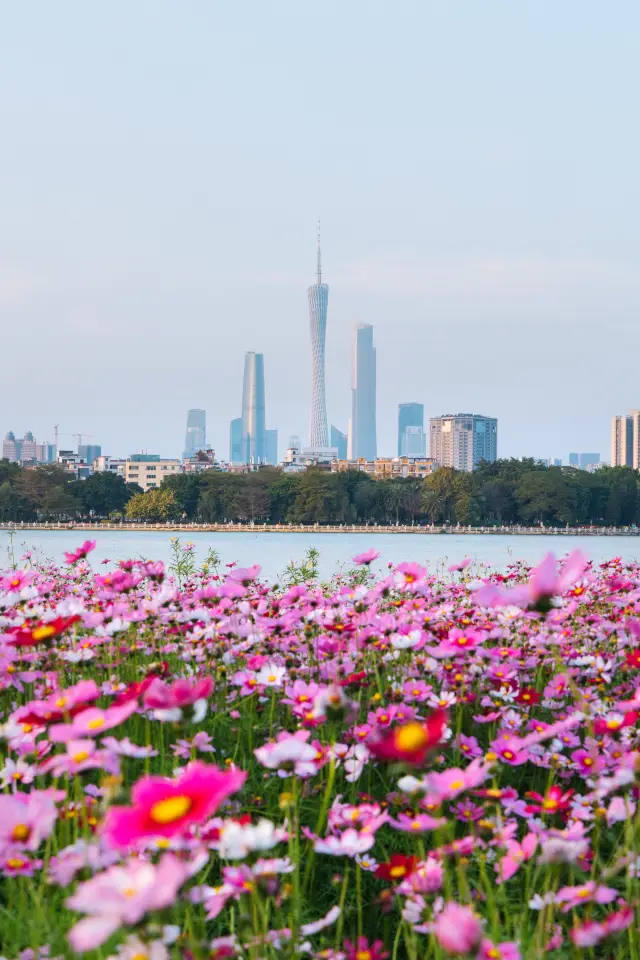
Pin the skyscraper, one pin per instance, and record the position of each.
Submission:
(362, 424)
(339, 440)
(588, 460)
(318, 302)
(462, 440)
(253, 428)
(622, 441)
(235, 440)
(574, 460)
(271, 442)
(89, 452)
(409, 415)
(196, 435)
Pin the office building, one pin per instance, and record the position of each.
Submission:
(463, 440)
(574, 460)
(196, 434)
(27, 449)
(318, 301)
(73, 463)
(362, 424)
(271, 455)
(588, 460)
(89, 452)
(104, 464)
(254, 439)
(409, 415)
(235, 440)
(389, 468)
(339, 440)
(622, 441)
(148, 470)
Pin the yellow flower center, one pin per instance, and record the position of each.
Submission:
(170, 810)
(411, 737)
(396, 872)
(140, 956)
(584, 893)
(272, 678)
(20, 832)
(80, 756)
(15, 863)
(129, 892)
(96, 723)
(363, 955)
(61, 702)
(456, 785)
(41, 633)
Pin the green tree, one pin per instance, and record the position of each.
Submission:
(101, 494)
(155, 505)
(59, 503)
(186, 488)
(9, 502)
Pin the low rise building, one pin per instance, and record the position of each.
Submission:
(389, 468)
(148, 470)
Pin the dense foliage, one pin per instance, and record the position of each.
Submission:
(201, 766)
(506, 492)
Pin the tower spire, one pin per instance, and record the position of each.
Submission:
(319, 258)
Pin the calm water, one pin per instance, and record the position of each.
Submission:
(273, 551)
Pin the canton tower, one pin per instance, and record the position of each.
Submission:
(318, 301)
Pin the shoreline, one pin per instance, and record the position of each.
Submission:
(181, 528)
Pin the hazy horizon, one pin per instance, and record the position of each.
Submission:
(164, 167)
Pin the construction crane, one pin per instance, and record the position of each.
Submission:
(57, 434)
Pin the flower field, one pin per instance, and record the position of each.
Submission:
(200, 764)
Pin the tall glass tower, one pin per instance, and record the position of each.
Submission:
(409, 415)
(318, 302)
(362, 425)
(196, 435)
(254, 441)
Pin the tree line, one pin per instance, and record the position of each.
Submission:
(505, 492)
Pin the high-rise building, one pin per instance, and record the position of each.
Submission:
(89, 452)
(271, 453)
(339, 440)
(588, 460)
(362, 424)
(318, 302)
(253, 429)
(235, 441)
(415, 442)
(196, 435)
(409, 415)
(622, 441)
(463, 440)
(26, 449)
(574, 460)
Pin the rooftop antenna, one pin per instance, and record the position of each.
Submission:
(319, 260)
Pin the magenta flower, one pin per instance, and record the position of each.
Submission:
(544, 584)
(122, 895)
(92, 722)
(364, 559)
(26, 819)
(498, 951)
(165, 808)
(516, 855)
(589, 892)
(457, 929)
(80, 552)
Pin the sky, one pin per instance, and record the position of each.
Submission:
(163, 166)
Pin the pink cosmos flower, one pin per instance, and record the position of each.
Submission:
(348, 844)
(165, 808)
(123, 895)
(92, 722)
(169, 701)
(408, 574)
(81, 755)
(417, 823)
(451, 783)
(462, 565)
(290, 753)
(245, 575)
(589, 892)
(457, 929)
(80, 552)
(364, 559)
(544, 584)
(499, 951)
(26, 819)
(516, 855)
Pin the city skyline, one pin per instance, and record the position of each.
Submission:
(318, 303)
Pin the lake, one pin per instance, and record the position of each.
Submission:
(273, 551)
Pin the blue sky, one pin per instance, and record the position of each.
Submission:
(163, 166)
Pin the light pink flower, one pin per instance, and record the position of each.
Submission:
(92, 722)
(457, 929)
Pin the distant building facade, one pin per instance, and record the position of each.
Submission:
(27, 449)
(235, 440)
(89, 452)
(104, 464)
(409, 415)
(362, 424)
(148, 470)
(574, 460)
(388, 468)
(463, 440)
(340, 441)
(588, 460)
(625, 440)
(196, 433)
(318, 302)
(254, 441)
(272, 447)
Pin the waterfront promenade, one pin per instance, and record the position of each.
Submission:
(96, 527)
